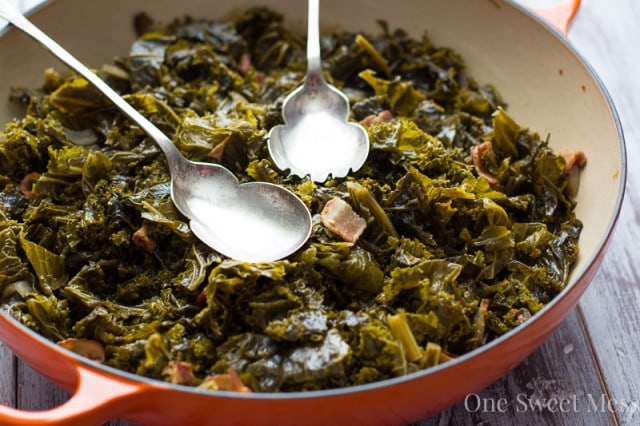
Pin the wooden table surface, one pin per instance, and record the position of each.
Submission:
(588, 372)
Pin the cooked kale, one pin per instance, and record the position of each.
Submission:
(470, 228)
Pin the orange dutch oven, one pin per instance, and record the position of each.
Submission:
(549, 88)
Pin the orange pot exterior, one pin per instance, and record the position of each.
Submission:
(560, 15)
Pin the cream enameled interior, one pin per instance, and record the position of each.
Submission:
(547, 87)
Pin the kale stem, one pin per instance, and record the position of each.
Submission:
(403, 334)
(431, 356)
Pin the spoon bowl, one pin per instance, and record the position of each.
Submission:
(252, 222)
(316, 139)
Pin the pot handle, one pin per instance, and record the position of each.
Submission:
(558, 16)
(97, 399)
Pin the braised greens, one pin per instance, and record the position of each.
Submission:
(470, 229)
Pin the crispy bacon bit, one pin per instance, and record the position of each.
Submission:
(447, 356)
(338, 216)
(226, 382)
(383, 117)
(477, 152)
(201, 299)
(217, 151)
(521, 315)
(26, 185)
(575, 162)
(573, 159)
(87, 348)
(178, 373)
(244, 64)
(143, 23)
(142, 240)
(480, 320)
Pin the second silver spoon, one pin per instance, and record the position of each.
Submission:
(316, 139)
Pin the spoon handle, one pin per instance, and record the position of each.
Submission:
(314, 64)
(18, 20)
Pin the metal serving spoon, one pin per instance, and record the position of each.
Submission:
(253, 222)
(316, 139)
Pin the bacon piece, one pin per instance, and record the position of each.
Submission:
(201, 299)
(573, 159)
(447, 356)
(477, 152)
(244, 64)
(227, 382)
(179, 373)
(479, 321)
(575, 162)
(142, 239)
(383, 117)
(217, 151)
(338, 216)
(26, 185)
(143, 23)
(87, 348)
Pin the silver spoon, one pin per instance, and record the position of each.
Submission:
(316, 139)
(252, 222)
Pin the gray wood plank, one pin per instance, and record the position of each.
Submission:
(7, 377)
(34, 392)
(611, 306)
(610, 311)
(559, 384)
